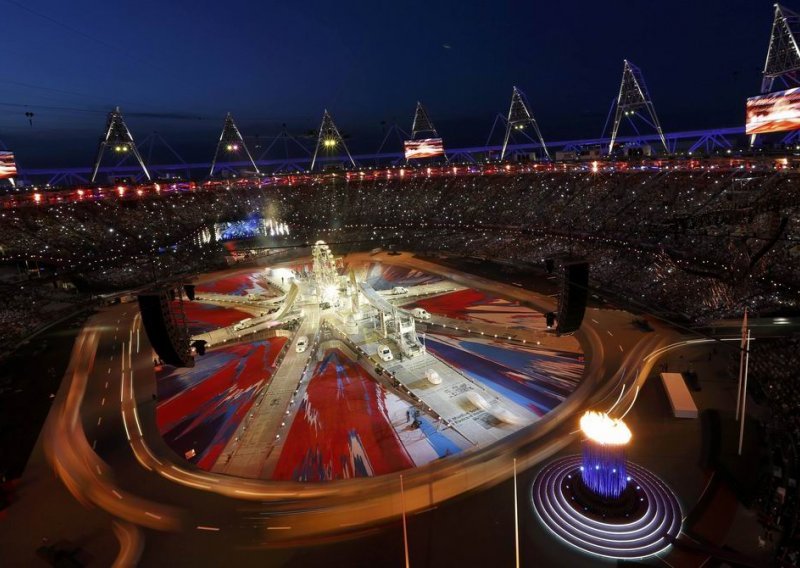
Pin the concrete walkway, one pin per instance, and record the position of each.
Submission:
(255, 440)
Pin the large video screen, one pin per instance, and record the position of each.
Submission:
(8, 169)
(427, 148)
(775, 112)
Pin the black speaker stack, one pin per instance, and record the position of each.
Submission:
(573, 297)
(169, 339)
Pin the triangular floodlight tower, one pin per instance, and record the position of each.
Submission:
(422, 124)
(231, 142)
(783, 55)
(634, 100)
(519, 118)
(119, 140)
(329, 139)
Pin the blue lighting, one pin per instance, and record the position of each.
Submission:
(603, 470)
(617, 537)
(246, 228)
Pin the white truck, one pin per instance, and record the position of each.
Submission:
(242, 324)
(421, 313)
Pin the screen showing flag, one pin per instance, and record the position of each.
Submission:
(775, 112)
(426, 148)
(8, 169)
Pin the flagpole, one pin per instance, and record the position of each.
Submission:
(739, 384)
(744, 393)
(516, 516)
(744, 349)
(405, 531)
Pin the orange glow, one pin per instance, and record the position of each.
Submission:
(600, 427)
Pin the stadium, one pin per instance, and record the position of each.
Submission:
(531, 351)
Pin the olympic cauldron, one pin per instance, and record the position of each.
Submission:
(600, 503)
(603, 469)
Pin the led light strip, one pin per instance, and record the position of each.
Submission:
(640, 538)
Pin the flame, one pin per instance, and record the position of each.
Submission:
(601, 428)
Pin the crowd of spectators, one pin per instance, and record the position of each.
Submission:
(775, 376)
(27, 306)
(702, 244)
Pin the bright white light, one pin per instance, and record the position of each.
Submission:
(600, 427)
(330, 294)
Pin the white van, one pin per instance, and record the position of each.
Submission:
(385, 353)
(421, 313)
(399, 290)
(302, 344)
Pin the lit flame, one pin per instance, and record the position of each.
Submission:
(601, 428)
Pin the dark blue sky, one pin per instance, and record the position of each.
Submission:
(366, 61)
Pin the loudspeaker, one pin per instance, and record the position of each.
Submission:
(168, 339)
(574, 294)
(189, 289)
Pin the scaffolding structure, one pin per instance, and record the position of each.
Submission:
(120, 140)
(634, 101)
(783, 58)
(231, 143)
(329, 139)
(519, 118)
(783, 54)
(422, 124)
(395, 323)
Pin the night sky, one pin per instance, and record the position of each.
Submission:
(177, 67)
